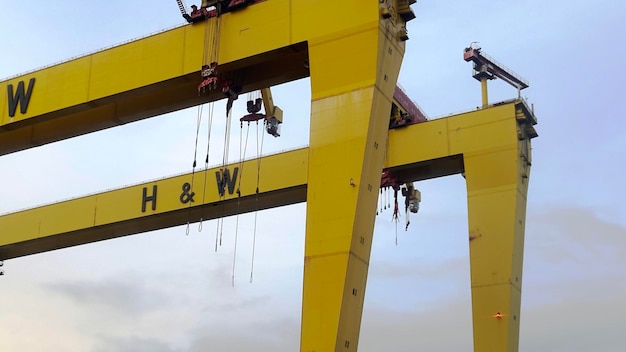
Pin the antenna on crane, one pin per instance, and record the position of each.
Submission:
(486, 68)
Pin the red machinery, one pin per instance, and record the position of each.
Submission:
(211, 8)
(404, 111)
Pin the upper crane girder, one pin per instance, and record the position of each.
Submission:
(153, 75)
(127, 83)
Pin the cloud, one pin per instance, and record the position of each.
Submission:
(570, 326)
(574, 259)
(272, 334)
(445, 326)
(575, 243)
(575, 325)
(131, 314)
(126, 295)
(584, 227)
(417, 286)
(132, 343)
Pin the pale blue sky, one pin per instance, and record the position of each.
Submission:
(164, 291)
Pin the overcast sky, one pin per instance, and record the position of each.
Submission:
(165, 291)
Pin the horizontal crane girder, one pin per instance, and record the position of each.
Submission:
(152, 76)
(119, 212)
(155, 205)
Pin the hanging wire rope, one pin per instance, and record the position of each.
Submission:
(216, 38)
(206, 162)
(210, 54)
(396, 213)
(211, 40)
(396, 233)
(259, 153)
(223, 171)
(227, 139)
(219, 221)
(193, 167)
(242, 156)
(256, 201)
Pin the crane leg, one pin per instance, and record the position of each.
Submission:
(352, 91)
(497, 183)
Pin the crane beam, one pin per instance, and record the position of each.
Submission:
(152, 76)
(154, 205)
(485, 65)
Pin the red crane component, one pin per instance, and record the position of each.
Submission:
(208, 83)
(486, 67)
(404, 111)
(212, 8)
(197, 14)
(209, 77)
(200, 14)
(254, 106)
(387, 179)
(253, 117)
(238, 4)
(412, 197)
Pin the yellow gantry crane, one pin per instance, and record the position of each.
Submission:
(353, 61)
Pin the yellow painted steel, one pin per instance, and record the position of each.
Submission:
(154, 75)
(484, 93)
(262, 28)
(157, 58)
(496, 196)
(495, 146)
(497, 184)
(130, 210)
(354, 70)
(354, 56)
(109, 72)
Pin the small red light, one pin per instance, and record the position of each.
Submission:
(498, 315)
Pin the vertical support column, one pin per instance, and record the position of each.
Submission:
(353, 77)
(497, 183)
(483, 88)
